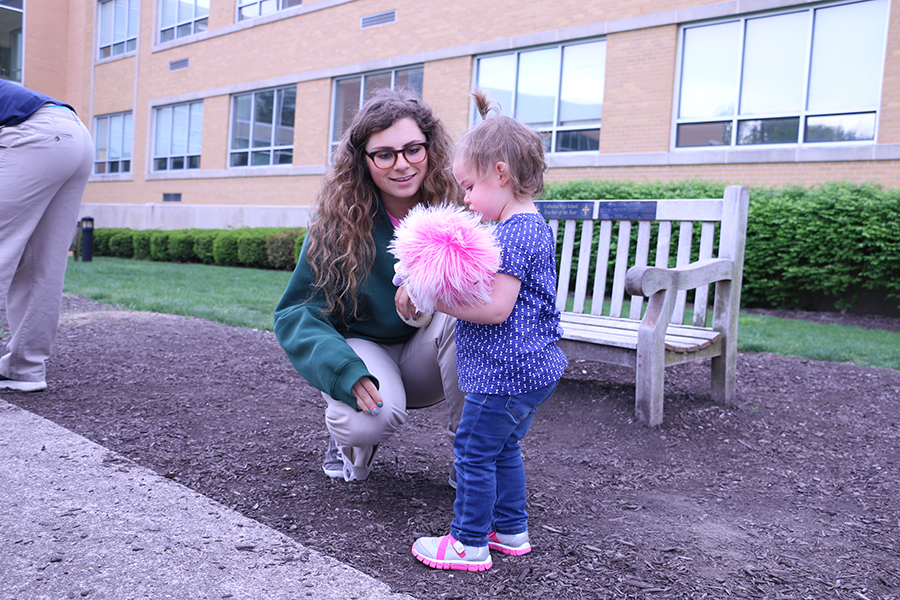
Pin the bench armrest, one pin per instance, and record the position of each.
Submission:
(646, 280)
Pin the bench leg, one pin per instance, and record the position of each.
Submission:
(648, 401)
(723, 374)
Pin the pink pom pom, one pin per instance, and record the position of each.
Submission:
(445, 255)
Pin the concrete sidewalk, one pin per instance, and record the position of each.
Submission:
(79, 521)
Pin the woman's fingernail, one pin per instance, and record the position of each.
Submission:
(368, 411)
(380, 404)
(375, 411)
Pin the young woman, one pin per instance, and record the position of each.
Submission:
(339, 320)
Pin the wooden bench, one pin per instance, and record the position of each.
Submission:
(652, 335)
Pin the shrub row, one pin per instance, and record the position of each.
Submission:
(835, 240)
(259, 248)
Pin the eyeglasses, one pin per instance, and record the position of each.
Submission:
(386, 159)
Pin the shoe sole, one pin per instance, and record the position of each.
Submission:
(519, 551)
(23, 386)
(448, 565)
(332, 473)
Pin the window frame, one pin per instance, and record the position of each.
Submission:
(197, 23)
(188, 160)
(17, 44)
(334, 136)
(549, 133)
(122, 163)
(128, 42)
(280, 5)
(732, 124)
(273, 148)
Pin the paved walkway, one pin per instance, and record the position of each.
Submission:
(80, 521)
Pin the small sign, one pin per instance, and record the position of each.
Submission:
(550, 209)
(627, 211)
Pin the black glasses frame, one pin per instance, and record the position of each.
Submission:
(397, 153)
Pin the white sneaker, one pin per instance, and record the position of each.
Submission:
(23, 386)
(447, 553)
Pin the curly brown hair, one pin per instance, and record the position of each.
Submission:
(341, 248)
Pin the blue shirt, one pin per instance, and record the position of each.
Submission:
(17, 103)
(519, 355)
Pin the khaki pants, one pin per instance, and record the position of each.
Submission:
(416, 374)
(44, 166)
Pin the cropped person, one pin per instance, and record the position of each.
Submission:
(46, 154)
(340, 320)
(508, 359)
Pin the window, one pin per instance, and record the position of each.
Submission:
(352, 92)
(804, 76)
(11, 40)
(262, 128)
(558, 90)
(112, 144)
(118, 27)
(250, 9)
(181, 18)
(179, 131)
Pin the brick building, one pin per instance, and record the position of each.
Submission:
(223, 112)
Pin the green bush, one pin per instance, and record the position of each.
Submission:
(181, 245)
(203, 245)
(121, 245)
(159, 246)
(141, 241)
(101, 238)
(281, 247)
(225, 247)
(252, 247)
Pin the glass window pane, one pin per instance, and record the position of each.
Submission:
(160, 164)
(201, 25)
(202, 9)
(240, 128)
(195, 135)
(263, 118)
(239, 159)
(193, 162)
(346, 105)
(260, 159)
(497, 77)
(179, 129)
(115, 137)
(106, 23)
(848, 48)
(769, 131)
(126, 166)
(376, 82)
(121, 20)
(840, 128)
(581, 89)
(774, 64)
(703, 134)
(132, 18)
(284, 132)
(284, 157)
(584, 140)
(100, 168)
(290, 3)
(410, 79)
(169, 13)
(249, 12)
(537, 87)
(101, 137)
(267, 7)
(167, 35)
(184, 30)
(185, 10)
(710, 65)
(126, 137)
(177, 162)
(163, 131)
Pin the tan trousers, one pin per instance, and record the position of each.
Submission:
(416, 374)
(44, 166)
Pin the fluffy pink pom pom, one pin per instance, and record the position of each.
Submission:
(445, 255)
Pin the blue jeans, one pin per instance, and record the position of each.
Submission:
(490, 474)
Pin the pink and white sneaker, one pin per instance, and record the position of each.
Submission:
(448, 553)
(513, 544)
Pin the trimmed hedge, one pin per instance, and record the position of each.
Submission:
(834, 240)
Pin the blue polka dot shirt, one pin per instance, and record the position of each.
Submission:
(519, 355)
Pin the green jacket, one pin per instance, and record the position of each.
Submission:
(316, 344)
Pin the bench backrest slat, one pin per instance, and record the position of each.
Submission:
(619, 216)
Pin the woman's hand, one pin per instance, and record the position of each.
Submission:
(368, 399)
(405, 305)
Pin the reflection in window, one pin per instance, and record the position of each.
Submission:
(181, 18)
(557, 90)
(262, 128)
(179, 132)
(754, 71)
(112, 143)
(250, 9)
(118, 27)
(352, 92)
(11, 40)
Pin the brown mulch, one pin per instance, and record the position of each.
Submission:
(793, 493)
